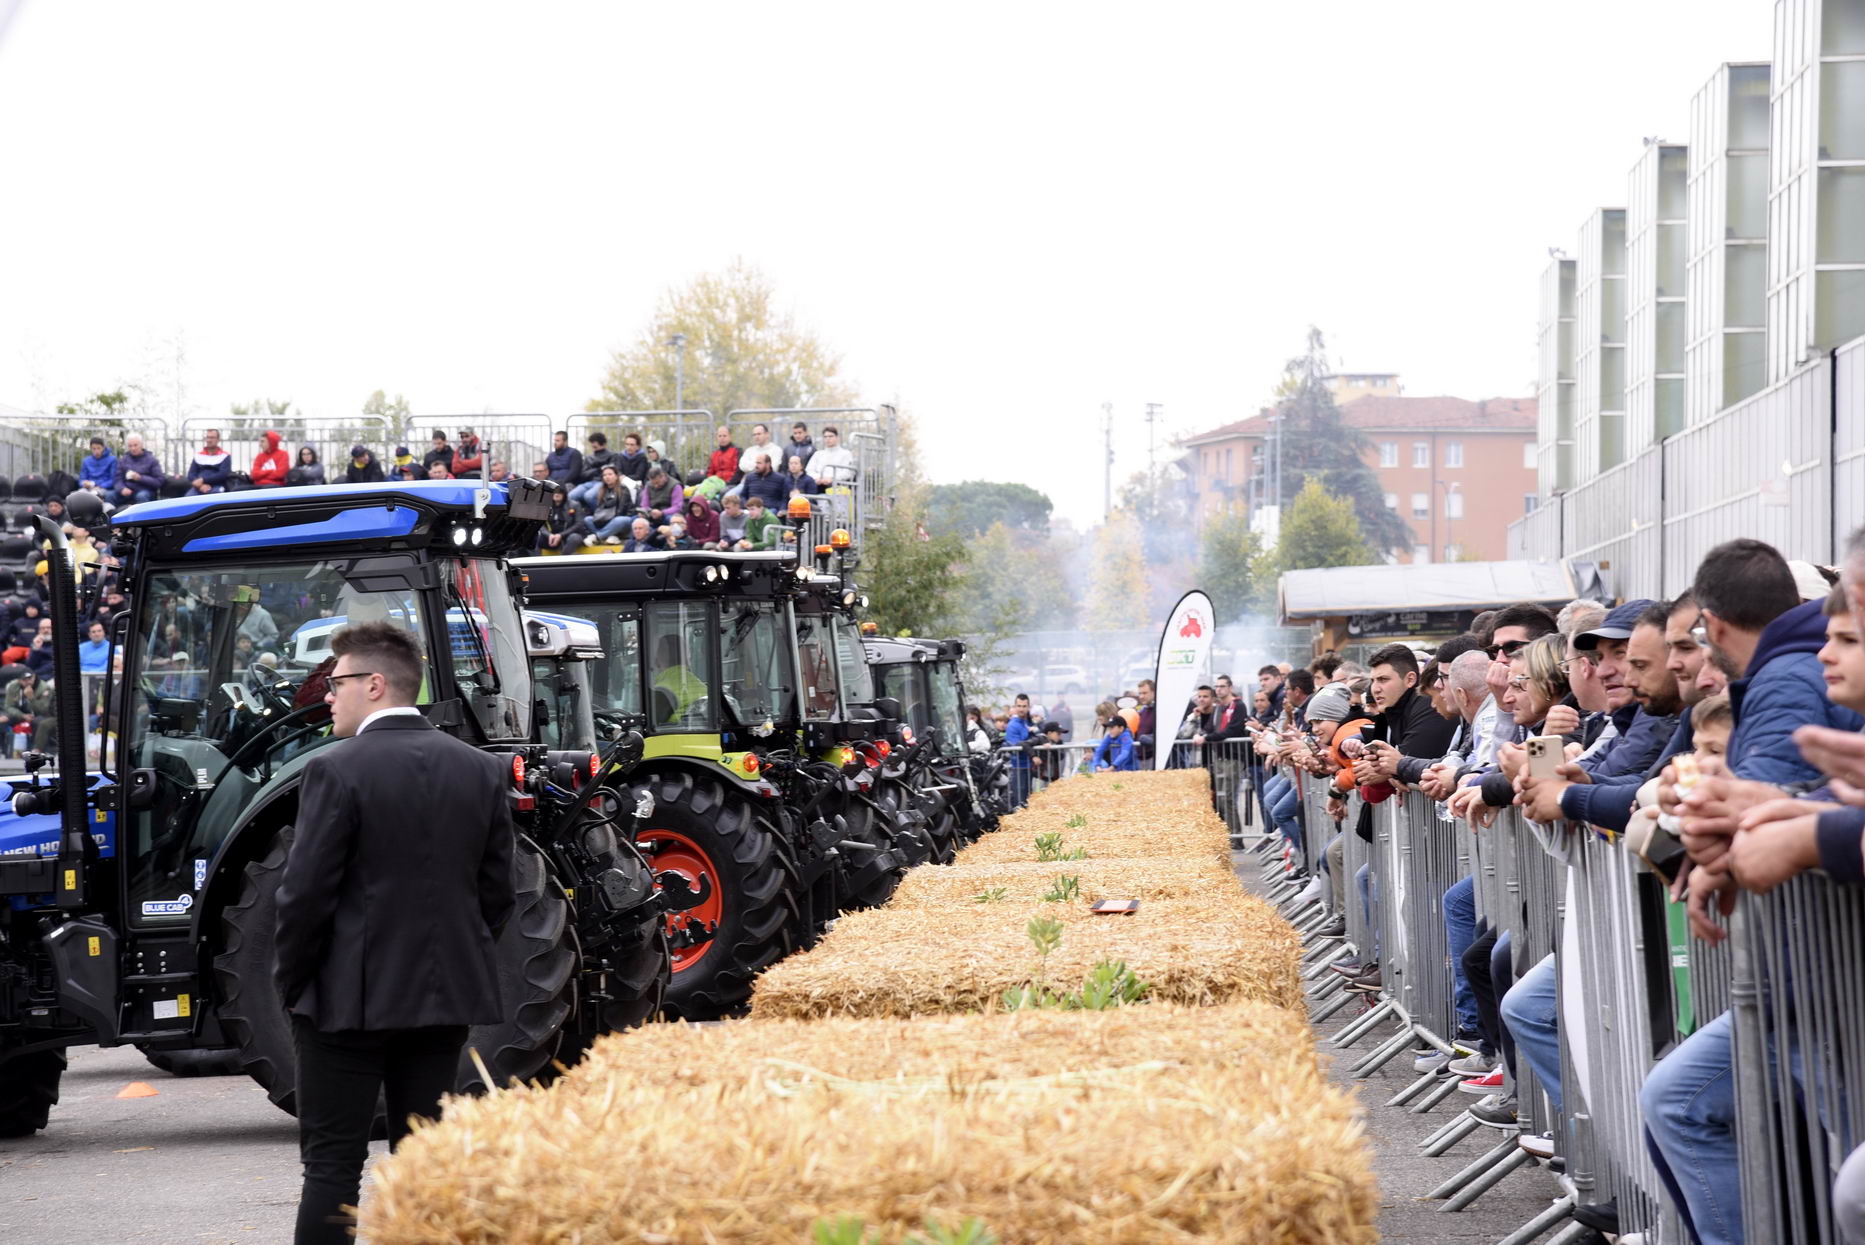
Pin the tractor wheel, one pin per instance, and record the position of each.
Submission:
(28, 1088)
(201, 1061)
(868, 881)
(717, 842)
(909, 831)
(537, 981)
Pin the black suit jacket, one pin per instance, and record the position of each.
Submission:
(398, 883)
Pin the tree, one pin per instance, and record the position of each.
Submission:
(1118, 590)
(910, 574)
(971, 508)
(1228, 565)
(1321, 529)
(740, 353)
(1315, 440)
(249, 420)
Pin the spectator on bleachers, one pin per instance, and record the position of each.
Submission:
(364, 468)
(583, 494)
(565, 460)
(642, 538)
(763, 482)
(1149, 721)
(94, 652)
(308, 469)
(607, 515)
(800, 443)
(732, 522)
(761, 443)
(633, 462)
(761, 526)
(98, 472)
(724, 460)
(439, 452)
(656, 454)
(497, 472)
(212, 466)
(709, 489)
(659, 498)
(271, 464)
(796, 480)
(405, 466)
(554, 537)
(469, 457)
(702, 524)
(30, 712)
(139, 476)
(832, 464)
(438, 471)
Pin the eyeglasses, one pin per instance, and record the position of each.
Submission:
(1508, 648)
(1519, 681)
(1699, 632)
(1566, 667)
(334, 679)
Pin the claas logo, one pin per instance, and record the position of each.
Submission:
(1192, 628)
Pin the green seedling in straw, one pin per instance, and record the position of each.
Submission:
(1076, 822)
(995, 894)
(970, 1232)
(1065, 888)
(1110, 984)
(847, 1230)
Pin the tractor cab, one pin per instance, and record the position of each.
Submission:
(562, 651)
(924, 677)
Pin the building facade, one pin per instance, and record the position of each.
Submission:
(1455, 470)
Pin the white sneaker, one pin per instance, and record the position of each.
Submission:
(1537, 1145)
(1311, 893)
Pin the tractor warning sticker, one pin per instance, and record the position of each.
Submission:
(168, 907)
(171, 1009)
(200, 874)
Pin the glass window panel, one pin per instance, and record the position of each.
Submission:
(1670, 337)
(1528, 454)
(1565, 344)
(1748, 107)
(1842, 28)
(1611, 442)
(1453, 505)
(1745, 287)
(1673, 256)
(1568, 272)
(680, 666)
(1612, 244)
(1421, 506)
(1453, 453)
(1669, 397)
(1421, 453)
(1842, 110)
(1838, 307)
(1748, 196)
(1612, 379)
(1744, 365)
(1673, 178)
(1612, 311)
(1842, 215)
(1388, 453)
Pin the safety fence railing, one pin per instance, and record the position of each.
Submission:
(1571, 904)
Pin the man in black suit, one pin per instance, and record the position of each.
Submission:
(394, 894)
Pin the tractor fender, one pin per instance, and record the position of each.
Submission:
(711, 769)
(276, 805)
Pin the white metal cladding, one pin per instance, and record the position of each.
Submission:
(1793, 174)
(1554, 389)
(1709, 211)
(1599, 350)
(1654, 289)
(1848, 442)
(1760, 469)
(1536, 537)
(1614, 519)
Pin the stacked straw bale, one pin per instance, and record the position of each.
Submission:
(1142, 1124)
(1198, 938)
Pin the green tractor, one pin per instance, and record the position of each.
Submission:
(923, 677)
(137, 905)
(758, 766)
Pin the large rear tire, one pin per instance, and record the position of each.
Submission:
(536, 965)
(869, 880)
(713, 837)
(28, 1088)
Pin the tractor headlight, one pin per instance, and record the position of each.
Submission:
(711, 574)
(459, 536)
(725, 572)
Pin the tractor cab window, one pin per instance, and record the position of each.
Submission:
(906, 683)
(227, 681)
(754, 663)
(490, 666)
(680, 676)
(563, 702)
(816, 651)
(857, 679)
(615, 680)
(947, 717)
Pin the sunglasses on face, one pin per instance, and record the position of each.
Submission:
(1508, 648)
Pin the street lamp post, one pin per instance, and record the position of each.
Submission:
(678, 342)
(1449, 488)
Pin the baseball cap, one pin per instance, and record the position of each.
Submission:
(1617, 625)
(357, 451)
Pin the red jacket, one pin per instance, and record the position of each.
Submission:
(724, 464)
(469, 455)
(270, 467)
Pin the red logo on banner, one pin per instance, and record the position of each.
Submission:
(1192, 626)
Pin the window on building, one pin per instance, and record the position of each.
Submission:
(1421, 453)
(1528, 455)
(1421, 505)
(1453, 453)
(1421, 553)
(1227, 476)
(1530, 504)
(1453, 505)
(1392, 501)
(1388, 453)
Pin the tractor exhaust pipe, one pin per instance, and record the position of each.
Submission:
(74, 842)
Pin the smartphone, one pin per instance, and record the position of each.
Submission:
(1545, 755)
(1658, 847)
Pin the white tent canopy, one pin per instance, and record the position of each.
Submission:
(1334, 592)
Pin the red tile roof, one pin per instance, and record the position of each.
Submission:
(1404, 414)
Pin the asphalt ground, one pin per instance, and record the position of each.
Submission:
(206, 1159)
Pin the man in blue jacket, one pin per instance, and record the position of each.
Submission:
(1755, 623)
(1016, 734)
(98, 471)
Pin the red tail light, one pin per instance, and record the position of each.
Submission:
(518, 770)
(884, 748)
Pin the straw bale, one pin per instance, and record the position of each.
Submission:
(1102, 877)
(1168, 813)
(1142, 1124)
(1215, 946)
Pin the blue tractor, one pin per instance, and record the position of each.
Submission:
(137, 904)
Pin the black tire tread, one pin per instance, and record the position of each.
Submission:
(28, 1091)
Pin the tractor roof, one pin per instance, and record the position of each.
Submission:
(680, 572)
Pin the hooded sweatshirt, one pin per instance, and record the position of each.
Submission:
(213, 466)
(1785, 687)
(98, 469)
(701, 523)
(270, 466)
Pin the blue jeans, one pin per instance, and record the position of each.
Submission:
(584, 495)
(1689, 1107)
(1285, 804)
(1368, 886)
(1460, 930)
(137, 496)
(620, 525)
(1531, 1012)
(1019, 785)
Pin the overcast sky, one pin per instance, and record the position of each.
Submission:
(1002, 215)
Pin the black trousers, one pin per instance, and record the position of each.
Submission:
(340, 1077)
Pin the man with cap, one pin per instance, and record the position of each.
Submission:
(364, 468)
(469, 457)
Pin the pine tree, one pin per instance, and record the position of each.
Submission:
(1321, 529)
(1227, 565)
